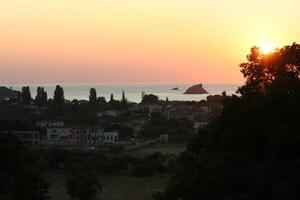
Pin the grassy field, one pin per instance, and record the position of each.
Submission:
(118, 187)
(132, 188)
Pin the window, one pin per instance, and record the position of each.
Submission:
(53, 136)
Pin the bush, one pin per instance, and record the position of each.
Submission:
(83, 186)
(143, 170)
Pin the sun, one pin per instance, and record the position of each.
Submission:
(266, 48)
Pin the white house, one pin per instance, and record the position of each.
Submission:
(87, 136)
(110, 137)
(59, 135)
(164, 138)
(81, 136)
(199, 125)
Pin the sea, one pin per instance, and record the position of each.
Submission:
(133, 91)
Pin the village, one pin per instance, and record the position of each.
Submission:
(128, 126)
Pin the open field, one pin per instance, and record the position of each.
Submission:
(117, 187)
(132, 188)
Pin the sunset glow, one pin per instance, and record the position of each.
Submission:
(127, 41)
(266, 48)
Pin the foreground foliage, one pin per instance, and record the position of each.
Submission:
(252, 151)
(21, 176)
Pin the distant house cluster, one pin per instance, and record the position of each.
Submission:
(80, 136)
(100, 114)
(57, 133)
(200, 113)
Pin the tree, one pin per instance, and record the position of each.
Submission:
(20, 178)
(93, 96)
(126, 132)
(150, 99)
(262, 70)
(75, 105)
(26, 95)
(111, 99)
(41, 97)
(124, 99)
(250, 151)
(101, 102)
(58, 100)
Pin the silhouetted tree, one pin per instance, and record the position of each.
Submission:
(111, 99)
(262, 70)
(41, 97)
(93, 96)
(149, 99)
(125, 132)
(251, 151)
(101, 102)
(124, 99)
(26, 95)
(75, 105)
(58, 100)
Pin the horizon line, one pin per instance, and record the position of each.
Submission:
(116, 83)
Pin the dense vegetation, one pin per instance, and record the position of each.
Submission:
(23, 171)
(252, 151)
(178, 129)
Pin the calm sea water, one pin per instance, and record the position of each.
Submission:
(132, 91)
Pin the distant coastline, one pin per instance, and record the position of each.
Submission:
(133, 91)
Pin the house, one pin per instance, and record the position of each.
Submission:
(200, 112)
(8, 93)
(80, 136)
(215, 103)
(59, 135)
(28, 138)
(47, 123)
(155, 108)
(110, 137)
(86, 136)
(136, 108)
(178, 111)
(199, 125)
(164, 138)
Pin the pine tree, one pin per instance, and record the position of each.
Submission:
(58, 100)
(124, 99)
(26, 96)
(41, 97)
(93, 96)
(111, 99)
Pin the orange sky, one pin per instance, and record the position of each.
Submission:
(89, 41)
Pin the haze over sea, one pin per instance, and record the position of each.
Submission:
(133, 91)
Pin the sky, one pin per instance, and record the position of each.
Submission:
(118, 41)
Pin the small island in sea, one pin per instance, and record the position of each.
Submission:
(175, 88)
(196, 89)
